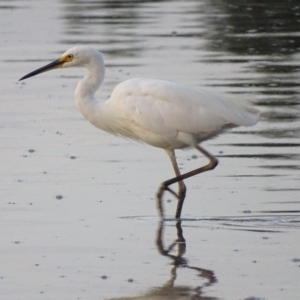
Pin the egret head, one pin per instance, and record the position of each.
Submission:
(76, 56)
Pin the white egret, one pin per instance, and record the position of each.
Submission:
(160, 113)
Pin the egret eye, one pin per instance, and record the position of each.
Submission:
(70, 56)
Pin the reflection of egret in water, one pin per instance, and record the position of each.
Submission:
(169, 291)
(163, 114)
(182, 292)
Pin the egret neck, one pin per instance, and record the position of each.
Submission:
(87, 87)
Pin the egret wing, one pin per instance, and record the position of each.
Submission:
(168, 108)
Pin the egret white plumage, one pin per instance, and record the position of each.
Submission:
(160, 113)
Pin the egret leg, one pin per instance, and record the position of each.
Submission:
(181, 186)
(179, 178)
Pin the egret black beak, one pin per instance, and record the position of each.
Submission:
(54, 65)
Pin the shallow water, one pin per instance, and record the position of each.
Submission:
(77, 211)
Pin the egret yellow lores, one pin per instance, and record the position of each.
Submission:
(160, 113)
